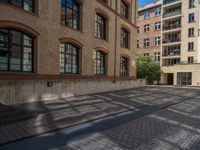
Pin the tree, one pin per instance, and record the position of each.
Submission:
(148, 69)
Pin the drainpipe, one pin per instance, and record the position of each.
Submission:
(115, 59)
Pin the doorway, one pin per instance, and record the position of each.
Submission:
(170, 79)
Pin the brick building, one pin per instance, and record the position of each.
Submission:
(149, 30)
(57, 49)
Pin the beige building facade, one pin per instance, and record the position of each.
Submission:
(181, 43)
(78, 42)
(179, 35)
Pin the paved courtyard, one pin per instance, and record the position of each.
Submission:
(148, 118)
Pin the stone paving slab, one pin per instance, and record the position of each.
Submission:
(162, 130)
(65, 112)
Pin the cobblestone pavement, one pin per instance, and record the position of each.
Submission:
(173, 125)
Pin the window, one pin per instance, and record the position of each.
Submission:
(157, 57)
(70, 13)
(124, 65)
(190, 60)
(146, 55)
(157, 11)
(157, 41)
(124, 9)
(191, 32)
(100, 63)
(138, 29)
(146, 14)
(191, 3)
(100, 27)
(124, 38)
(146, 42)
(158, 25)
(16, 51)
(146, 27)
(190, 46)
(69, 59)
(27, 5)
(138, 44)
(191, 18)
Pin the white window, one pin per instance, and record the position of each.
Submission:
(146, 27)
(191, 18)
(157, 57)
(157, 11)
(191, 32)
(157, 41)
(146, 14)
(191, 3)
(158, 25)
(146, 42)
(190, 60)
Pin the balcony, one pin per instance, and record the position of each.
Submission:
(172, 14)
(172, 26)
(171, 41)
(170, 2)
(171, 62)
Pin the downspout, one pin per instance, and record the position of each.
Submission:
(115, 59)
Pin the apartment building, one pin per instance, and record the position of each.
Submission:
(149, 30)
(181, 42)
(51, 49)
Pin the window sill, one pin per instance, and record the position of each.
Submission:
(35, 14)
(191, 36)
(191, 50)
(105, 40)
(191, 7)
(126, 48)
(191, 21)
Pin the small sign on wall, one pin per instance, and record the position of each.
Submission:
(49, 84)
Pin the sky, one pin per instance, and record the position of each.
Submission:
(144, 2)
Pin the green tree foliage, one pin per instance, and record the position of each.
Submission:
(148, 69)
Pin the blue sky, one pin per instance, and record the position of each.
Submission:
(144, 2)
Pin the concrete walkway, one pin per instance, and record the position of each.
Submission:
(137, 104)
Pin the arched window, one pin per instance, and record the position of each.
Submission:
(27, 5)
(124, 65)
(69, 59)
(100, 63)
(16, 51)
(70, 13)
(100, 26)
(124, 38)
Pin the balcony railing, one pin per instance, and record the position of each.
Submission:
(176, 12)
(165, 2)
(171, 26)
(171, 41)
(171, 54)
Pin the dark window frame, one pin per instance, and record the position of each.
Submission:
(124, 66)
(22, 46)
(65, 4)
(21, 4)
(100, 26)
(124, 9)
(124, 38)
(74, 64)
(100, 70)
